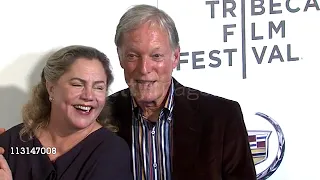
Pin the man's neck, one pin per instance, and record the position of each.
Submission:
(151, 110)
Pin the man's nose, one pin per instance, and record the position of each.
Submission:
(145, 65)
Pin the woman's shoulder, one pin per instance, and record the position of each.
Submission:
(11, 134)
(11, 138)
(111, 143)
(111, 138)
(111, 157)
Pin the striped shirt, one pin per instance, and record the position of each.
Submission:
(152, 142)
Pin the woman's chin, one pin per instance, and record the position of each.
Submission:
(82, 123)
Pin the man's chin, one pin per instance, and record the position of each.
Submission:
(145, 98)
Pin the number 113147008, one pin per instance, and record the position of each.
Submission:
(33, 150)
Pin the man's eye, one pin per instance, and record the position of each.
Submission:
(157, 57)
(131, 55)
(100, 88)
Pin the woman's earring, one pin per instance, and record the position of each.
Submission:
(50, 99)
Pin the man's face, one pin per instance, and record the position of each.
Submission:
(148, 61)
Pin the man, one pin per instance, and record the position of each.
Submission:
(175, 132)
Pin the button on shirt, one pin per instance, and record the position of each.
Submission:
(152, 143)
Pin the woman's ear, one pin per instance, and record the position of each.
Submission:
(50, 89)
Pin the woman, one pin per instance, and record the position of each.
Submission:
(66, 133)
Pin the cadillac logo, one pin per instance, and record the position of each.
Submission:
(261, 147)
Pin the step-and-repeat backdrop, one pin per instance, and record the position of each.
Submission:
(261, 53)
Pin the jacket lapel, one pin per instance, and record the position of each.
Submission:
(186, 131)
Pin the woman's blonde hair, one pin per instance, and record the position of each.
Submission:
(36, 112)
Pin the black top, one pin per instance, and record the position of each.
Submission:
(101, 155)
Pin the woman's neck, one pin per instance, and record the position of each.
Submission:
(63, 139)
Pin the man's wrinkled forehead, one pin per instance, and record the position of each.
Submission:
(148, 31)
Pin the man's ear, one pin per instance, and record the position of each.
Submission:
(118, 52)
(176, 56)
(120, 57)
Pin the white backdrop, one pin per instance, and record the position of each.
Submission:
(286, 89)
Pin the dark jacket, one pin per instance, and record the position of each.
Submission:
(210, 140)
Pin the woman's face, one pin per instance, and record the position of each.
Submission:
(79, 95)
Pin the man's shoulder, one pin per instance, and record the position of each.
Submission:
(119, 102)
(119, 95)
(215, 109)
(207, 98)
